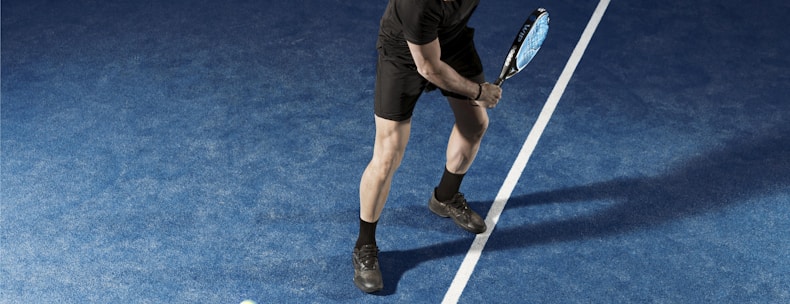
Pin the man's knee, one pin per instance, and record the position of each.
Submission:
(390, 145)
(384, 164)
(473, 130)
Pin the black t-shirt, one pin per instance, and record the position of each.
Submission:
(420, 22)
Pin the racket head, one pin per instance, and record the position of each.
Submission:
(526, 44)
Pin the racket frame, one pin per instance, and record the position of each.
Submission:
(510, 67)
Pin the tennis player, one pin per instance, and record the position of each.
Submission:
(422, 45)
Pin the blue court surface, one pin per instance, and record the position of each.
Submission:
(210, 152)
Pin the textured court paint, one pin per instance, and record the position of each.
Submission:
(469, 262)
(198, 151)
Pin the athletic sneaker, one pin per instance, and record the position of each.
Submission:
(459, 211)
(367, 275)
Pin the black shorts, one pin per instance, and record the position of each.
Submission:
(399, 85)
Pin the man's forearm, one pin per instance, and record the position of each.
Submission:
(429, 65)
(445, 77)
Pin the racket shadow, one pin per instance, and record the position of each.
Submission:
(744, 169)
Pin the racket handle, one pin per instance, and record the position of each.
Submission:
(498, 82)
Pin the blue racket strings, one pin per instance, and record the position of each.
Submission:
(533, 41)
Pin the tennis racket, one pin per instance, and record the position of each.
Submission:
(526, 45)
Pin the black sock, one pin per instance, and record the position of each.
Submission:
(449, 185)
(367, 233)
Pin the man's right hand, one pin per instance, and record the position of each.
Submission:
(490, 95)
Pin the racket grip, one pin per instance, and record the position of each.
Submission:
(498, 82)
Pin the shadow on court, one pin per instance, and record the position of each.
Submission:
(742, 169)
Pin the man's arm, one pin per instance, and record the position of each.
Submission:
(427, 57)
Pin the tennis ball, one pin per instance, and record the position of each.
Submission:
(247, 302)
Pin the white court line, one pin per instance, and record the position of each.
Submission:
(473, 255)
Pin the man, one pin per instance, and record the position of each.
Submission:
(423, 44)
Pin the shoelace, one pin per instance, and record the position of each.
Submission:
(459, 202)
(368, 256)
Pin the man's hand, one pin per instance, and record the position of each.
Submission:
(489, 96)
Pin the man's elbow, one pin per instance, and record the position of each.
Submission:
(428, 71)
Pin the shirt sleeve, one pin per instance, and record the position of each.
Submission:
(420, 20)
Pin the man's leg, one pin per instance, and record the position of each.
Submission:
(388, 149)
(471, 123)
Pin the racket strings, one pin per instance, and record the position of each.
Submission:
(533, 41)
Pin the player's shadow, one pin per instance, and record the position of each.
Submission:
(744, 168)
